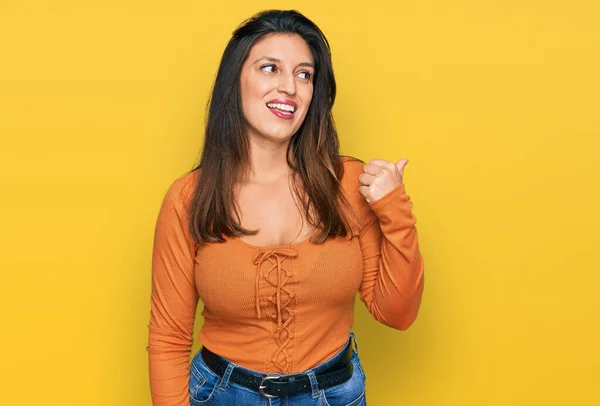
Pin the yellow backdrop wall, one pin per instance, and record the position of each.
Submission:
(494, 103)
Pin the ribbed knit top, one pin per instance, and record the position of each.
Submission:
(279, 308)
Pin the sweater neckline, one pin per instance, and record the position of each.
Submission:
(271, 247)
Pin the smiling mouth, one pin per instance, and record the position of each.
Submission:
(283, 108)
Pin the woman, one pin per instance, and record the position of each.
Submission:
(276, 233)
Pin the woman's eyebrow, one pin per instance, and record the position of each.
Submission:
(271, 59)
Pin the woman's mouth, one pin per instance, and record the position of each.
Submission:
(282, 110)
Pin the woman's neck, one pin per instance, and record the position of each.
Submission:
(268, 164)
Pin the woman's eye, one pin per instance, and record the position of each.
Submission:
(268, 68)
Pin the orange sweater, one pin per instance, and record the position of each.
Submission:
(280, 308)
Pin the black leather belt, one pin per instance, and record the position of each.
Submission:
(275, 386)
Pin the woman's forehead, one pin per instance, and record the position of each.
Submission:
(286, 48)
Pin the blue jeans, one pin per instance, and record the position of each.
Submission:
(207, 388)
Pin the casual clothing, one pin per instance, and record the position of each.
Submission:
(207, 388)
(278, 309)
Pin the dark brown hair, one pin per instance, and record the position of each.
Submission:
(316, 163)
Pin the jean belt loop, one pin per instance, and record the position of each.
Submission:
(225, 379)
(314, 385)
(353, 338)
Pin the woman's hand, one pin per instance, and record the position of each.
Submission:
(380, 177)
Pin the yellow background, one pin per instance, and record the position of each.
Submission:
(496, 105)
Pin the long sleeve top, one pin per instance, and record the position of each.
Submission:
(279, 308)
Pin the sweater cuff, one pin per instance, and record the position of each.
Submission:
(393, 208)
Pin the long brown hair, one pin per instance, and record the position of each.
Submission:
(314, 148)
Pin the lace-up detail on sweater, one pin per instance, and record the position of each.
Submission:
(271, 268)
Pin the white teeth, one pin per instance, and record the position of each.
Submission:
(280, 106)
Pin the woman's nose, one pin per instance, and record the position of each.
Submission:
(287, 84)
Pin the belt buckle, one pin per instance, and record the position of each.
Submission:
(261, 386)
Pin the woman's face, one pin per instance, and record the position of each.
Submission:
(276, 86)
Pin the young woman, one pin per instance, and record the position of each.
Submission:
(276, 233)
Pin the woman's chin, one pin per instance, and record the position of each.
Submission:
(278, 135)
